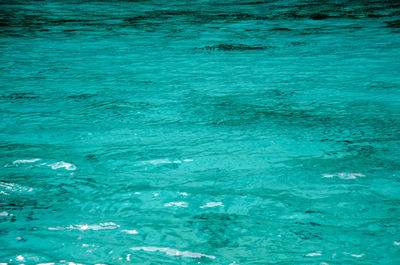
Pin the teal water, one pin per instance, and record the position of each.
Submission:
(199, 132)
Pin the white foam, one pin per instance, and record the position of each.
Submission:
(174, 252)
(354, 255)
(4, 213)
(314, 254)
(57, 228)
(23, 161)
(396, 243)
(177, 204)
(212, 204)
(162, 161)
(62, 164)
(101, 226)
(131, 232)
(344, 175)
(14, 187)
(156, 162)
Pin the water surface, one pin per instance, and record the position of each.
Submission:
(211, 132)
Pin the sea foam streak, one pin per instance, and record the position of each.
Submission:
(23, 161)
(212, 204)
(174, 252)
(101, 226)
(344, 175)
(62, 164)
(162, 161)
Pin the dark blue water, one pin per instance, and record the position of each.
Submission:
(199, 132)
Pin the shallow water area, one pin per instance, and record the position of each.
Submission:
(199, 132)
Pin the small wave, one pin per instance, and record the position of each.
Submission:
(23, 161)
(313, 254)
(20, 258)
(61, 262)
(177, 204)
(101, 226)
(13, 187)
(354, 255)
(131, 232)
(174, 252)
(162, 161)
(65, 262)
(212, 204)
(393, 24)
(236, 47)
(4, 213)
(344, 175)
(62, 164)
(158, 161)
(54, 166)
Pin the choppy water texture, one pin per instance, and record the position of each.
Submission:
(199, 132)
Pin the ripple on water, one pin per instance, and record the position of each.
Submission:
(32, 162)
(4, 213)
(212, 204)
(176, 204)
(131, 232)
(23, 161)
(344, 175)
(6, 187)
(314, 254)
(354, 255)
(62, 164)
(101, 226)
(162, 161)
(174, 252)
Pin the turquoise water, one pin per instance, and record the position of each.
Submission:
(199, 132)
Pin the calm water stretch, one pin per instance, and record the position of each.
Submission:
(199, 132)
